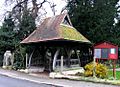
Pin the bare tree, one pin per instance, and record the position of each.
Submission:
(22, 6)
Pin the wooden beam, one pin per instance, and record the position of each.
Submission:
(77, 57)
(114, 67)
(30, 58)
(61, 65)
(26, 60)
(68, 51)
(55, 58)
(94, 68)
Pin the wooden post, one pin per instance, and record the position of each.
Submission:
(13, 56)
(30, 58)
(26, 60)
(55, 58)
(114, 66)
(78, 58)
(68, 51)
(68, 60)
(94, 67)
(97, 60)
(61, 68)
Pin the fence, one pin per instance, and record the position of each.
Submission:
(73, 63)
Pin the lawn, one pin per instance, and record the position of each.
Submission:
(110, 74)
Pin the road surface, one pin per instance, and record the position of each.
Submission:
(7, 81)
(11, 82)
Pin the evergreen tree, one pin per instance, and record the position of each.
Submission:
(10, 37)
(116, 30)
(93, 18)
(26, 26)
(7, 34)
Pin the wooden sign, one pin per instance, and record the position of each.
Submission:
(105, 50)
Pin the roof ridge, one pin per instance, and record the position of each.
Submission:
(67, 25)
(50, 29)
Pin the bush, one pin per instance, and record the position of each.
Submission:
(17, 65)
(101, 70)
(19, 56)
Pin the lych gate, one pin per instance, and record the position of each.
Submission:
(54, 38)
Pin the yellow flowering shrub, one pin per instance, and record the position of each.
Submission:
(101, 70)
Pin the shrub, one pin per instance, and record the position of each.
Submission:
(101, 70)
(19, 56)
(17, 65)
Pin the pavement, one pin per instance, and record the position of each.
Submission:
(6, 81)
(36, 78)
(118, 69)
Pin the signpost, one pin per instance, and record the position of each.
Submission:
(114, 67)
(94, 68)
(106, 51)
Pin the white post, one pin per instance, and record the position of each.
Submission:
(55, 58)
(94, 68)
(26, 60)
(12, 60)
(61, 68)
(30, 58)
(78, 57)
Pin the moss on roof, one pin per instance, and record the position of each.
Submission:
(71, 33)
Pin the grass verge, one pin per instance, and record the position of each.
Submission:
(110, 75)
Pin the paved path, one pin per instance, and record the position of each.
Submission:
(12, 82)
(118, 69)
(59, 82)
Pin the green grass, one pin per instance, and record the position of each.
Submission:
(110, 74)
(117, 66)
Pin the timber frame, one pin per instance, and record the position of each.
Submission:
(74, 55)
(57, 43)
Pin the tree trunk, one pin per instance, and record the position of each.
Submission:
(35, 8)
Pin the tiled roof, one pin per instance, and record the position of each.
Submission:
(52, 29)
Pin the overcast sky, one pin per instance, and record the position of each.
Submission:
(59, 5)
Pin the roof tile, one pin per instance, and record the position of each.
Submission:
(52, 29)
